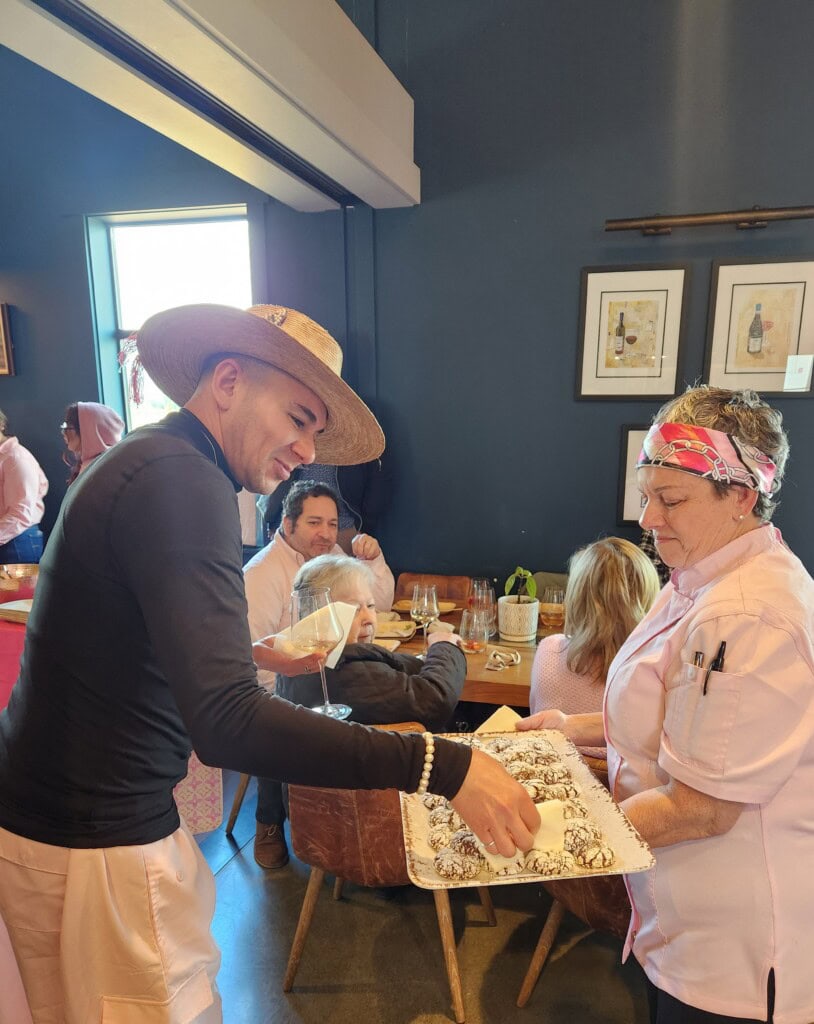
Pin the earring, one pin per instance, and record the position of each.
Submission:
(740, 518)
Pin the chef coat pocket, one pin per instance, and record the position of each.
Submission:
(698, 725)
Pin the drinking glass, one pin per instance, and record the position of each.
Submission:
(315, 627)
(552, 612)
(474, 630)
(482, 595)
(424, 607)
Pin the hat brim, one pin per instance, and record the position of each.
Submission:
(175, 344)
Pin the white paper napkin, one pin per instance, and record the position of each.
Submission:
(344, 612)
(501, 721)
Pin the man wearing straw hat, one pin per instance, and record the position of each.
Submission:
(138, 647)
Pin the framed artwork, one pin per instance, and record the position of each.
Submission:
(629, 504)
(6, 351)
(761, 318)
(631, 331)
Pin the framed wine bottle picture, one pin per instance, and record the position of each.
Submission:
(631, 331)
(6, 351)
(629, 499)
(761, 321)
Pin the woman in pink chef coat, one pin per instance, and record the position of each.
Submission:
(709, 719)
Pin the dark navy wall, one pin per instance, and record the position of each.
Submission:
(65, 155)
(534, 123)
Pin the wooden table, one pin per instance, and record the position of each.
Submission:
(482, 685)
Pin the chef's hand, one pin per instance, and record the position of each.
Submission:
(275, 659)
(550, 719)
(365, 547)
(587, 730)
(496, 807)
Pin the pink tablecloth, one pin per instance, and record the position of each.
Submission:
(12, 635)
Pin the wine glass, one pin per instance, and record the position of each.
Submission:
(424, 607)
(315, 627)
(552, 613)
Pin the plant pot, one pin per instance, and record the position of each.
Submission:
(517, 618)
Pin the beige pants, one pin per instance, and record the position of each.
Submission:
(112, 936)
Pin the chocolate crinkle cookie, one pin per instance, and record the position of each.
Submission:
(598, 856)
(464, 841)
(574, 808)
(521, 770)
(499, 744)
(549, 862)
(519, 752)
(444, 816)
(539, 791)
(456, 866)
(439, 836)
(580, 835)
(432, 800)
(551, 773)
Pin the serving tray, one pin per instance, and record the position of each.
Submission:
(630, 852)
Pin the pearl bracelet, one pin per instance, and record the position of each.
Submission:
(429, 756)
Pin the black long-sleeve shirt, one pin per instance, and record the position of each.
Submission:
(138, 646)
(383, 687)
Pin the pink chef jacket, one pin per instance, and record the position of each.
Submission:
(715, 915)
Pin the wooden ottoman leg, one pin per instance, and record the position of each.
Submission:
(306, 916)
(339, 884)
(444, 913)
(237, 803)
(544, 944)
(488, 906)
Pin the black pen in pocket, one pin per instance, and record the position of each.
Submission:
(716, 665)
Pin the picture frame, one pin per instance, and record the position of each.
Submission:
(645, 360)
(628, 502)
(6, 348)
(743, 354)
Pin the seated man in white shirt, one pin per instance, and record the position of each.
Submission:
(309, 528)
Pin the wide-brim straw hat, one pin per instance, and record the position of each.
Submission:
(174, 346)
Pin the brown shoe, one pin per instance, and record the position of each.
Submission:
(270, 850)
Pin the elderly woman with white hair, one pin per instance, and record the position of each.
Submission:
(709, 718)
(380, 686)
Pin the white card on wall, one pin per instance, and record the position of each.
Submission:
(798, 373)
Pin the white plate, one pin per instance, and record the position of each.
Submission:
(399, 629)
(388, 645)
(632, 854)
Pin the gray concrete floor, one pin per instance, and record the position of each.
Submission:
(377, 957)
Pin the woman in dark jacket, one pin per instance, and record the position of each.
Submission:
(381, 687)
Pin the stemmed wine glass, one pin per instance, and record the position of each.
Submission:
(424, 607)
(315, 627)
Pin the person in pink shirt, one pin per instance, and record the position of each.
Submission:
(88, 431)
(611, 586)
(709, 719)
(23, 485)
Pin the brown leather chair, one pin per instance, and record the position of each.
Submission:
(356, 835)
(449, 588)
(601, 902)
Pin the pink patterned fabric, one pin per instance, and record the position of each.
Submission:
(199, 797)
(708, 453)
(554, 685)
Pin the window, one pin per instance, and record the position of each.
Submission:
(160, 264)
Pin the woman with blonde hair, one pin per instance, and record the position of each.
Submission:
(611, 587)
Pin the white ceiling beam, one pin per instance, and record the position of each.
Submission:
(298, 71)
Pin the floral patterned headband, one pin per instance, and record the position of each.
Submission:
(708, 453)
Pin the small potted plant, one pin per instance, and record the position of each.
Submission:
(517, 613)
